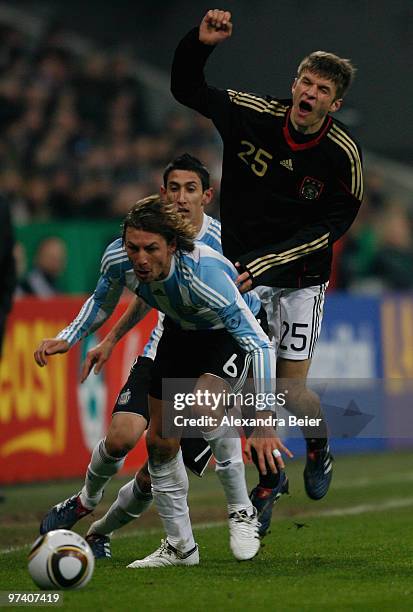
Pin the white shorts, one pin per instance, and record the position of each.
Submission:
(294, 319)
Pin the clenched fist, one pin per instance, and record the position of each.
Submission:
(215, 27)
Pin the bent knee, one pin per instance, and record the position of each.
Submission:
(123, 436)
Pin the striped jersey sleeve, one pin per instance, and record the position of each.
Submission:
(258, 104)
(100, 305)
(152, 345)
(350, 169)
(211, 236)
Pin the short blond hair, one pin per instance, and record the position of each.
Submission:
(337, 69)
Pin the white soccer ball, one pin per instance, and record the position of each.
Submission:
(61, 559)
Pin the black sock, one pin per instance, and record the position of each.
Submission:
(315, 444)
(269, 480)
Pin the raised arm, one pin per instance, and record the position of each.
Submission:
(215, 27)
(188, 84)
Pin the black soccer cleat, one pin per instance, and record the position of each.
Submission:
(100, 545)
(64, 515)
(318, 472)
(264, 500)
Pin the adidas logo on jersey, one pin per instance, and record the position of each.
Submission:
(287, 163)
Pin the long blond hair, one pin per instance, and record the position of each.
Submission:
(152, 215)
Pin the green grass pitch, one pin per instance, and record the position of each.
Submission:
(351, 551)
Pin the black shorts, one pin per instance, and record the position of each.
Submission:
(133, 398)
(186, 355)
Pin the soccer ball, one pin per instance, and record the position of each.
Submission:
(61, 559)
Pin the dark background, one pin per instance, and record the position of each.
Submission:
(270, 38)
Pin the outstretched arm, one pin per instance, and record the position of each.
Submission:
(94, 312)
(98, 356)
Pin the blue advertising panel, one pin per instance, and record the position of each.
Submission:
(363, 372)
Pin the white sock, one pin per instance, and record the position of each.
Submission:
(99, 471)
(130, 503)
(225, 444)
(170, 491)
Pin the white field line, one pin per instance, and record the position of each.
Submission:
(365, 481)
(391, 504)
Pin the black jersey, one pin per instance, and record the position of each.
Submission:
(285, 199)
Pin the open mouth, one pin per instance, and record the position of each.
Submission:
(142, 273)
(305, 107)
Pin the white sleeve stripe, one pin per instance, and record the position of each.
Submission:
(215, 297)
(221, 299)
(206, 291)
(258, 361)
(112, 257)
(111, 250)
(112, 261)
(112, 253)
(83, 315)
(214, 232)
(73, 329)
(151, 347)
(199, 289)
(214, 239)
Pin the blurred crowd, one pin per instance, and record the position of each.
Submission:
(376, 254)
(77, 141)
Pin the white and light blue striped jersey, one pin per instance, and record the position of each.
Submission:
(199, 293)
(210, 234)
(116, 273)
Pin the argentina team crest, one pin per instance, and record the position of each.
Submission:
(311, 188)
(124, 397)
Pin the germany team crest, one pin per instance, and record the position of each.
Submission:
(311, 188)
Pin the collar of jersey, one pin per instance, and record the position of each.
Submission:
(295, 146)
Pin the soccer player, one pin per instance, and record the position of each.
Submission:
(292, 179)
(193, 286)
(186, 184)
